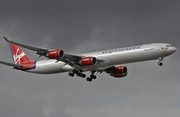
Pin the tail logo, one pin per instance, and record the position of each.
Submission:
(17, 57)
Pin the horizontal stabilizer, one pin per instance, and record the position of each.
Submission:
(10, 64)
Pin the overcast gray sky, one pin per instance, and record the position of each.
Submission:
(85, 26)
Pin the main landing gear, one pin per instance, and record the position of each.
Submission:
(92, 76)
(160, 59)
(80, 74)
(71, 74)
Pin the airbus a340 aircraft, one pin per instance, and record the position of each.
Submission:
(96, 62)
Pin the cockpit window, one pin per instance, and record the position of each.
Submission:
(168, 45)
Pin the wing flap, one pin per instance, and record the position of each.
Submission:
(73, 60)
(72, 56)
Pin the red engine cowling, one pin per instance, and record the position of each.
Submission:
(119, 71)
(55, 54)
(88, 61)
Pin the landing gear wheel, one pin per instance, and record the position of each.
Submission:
(71, 74)
(78, 74)
(75, 71)
(92, 76)
(89, 79)
(83, 75)
(160, 63)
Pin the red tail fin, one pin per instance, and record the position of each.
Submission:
(21, 58)
(18, 55)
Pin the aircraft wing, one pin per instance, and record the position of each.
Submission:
(40, 51)
(10, 64)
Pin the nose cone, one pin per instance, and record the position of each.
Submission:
(172, 50)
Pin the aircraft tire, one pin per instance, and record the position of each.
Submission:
(83, 75)
(89, 79)
(93, 76)
(160, 63)
(71, 74)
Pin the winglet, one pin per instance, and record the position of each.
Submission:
(5, 38)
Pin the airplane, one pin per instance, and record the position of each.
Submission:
(108, 61)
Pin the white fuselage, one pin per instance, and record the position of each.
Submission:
(111, 58)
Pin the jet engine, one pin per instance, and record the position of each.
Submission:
(118, 71)
(55, 54)
(88, 61)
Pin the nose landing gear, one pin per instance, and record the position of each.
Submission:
(160, 63)
(160, 59)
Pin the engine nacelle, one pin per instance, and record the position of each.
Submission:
(55, 54)
(88, 61)
(119, 71)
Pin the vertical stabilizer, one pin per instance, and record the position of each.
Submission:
(21, 58)
(18, 55)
